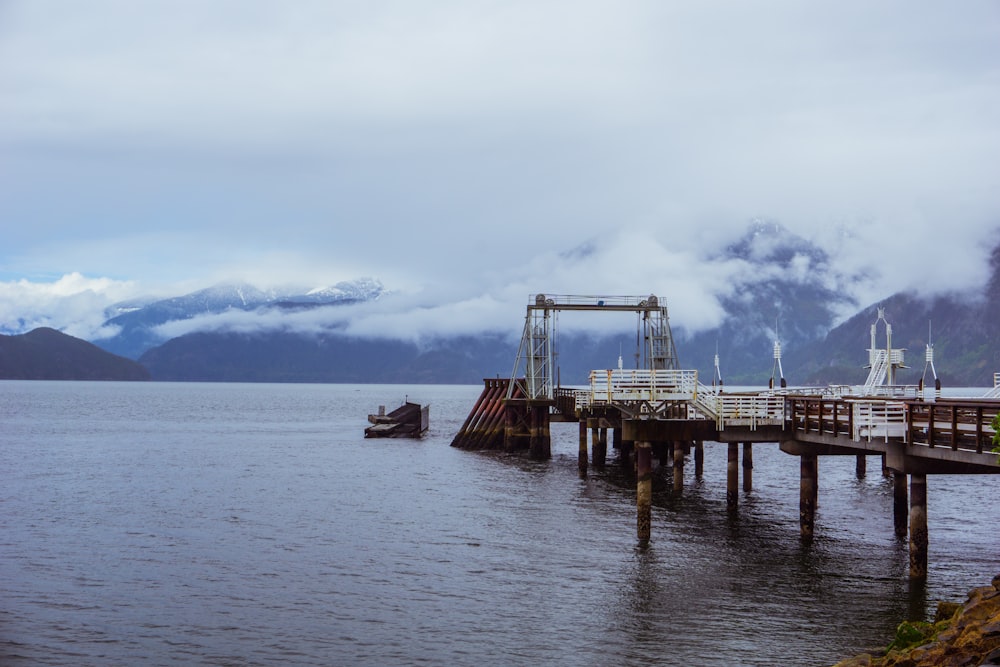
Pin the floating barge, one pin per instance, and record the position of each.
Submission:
(410, 420)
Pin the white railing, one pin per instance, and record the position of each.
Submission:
(654, 386)
(878, 419)
(615, 386)
(751, 410)
(704, 405)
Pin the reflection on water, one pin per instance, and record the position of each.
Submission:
(253, 524)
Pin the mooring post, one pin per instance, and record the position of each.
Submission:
(808, 490)
(644, 489)
(733, 477)
(861, 466)
(678, 467)
(900, 503)
(582, 457)
(699, 458)
(600, 448)
(918, 526)
(747, 466)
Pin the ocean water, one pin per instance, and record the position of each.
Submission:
(252, 524)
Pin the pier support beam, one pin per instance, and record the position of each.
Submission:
(808, 492)
(699, 458)
(900, 503)
(918, 526)
(861, 467)
(582, 451)
(732, 478)
(747, 466)
(644, 490)
(678, 467)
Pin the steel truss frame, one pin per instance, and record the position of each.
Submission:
(534, 368)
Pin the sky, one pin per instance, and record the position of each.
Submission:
(471, 153)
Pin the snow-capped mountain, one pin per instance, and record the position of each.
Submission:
(784, 288)
(136, 321)
(363, 289)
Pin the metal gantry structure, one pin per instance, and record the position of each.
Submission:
(535, 364)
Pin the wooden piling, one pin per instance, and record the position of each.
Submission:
(541, 442)
(747, 466)
(732, 477)
(678, 467)
(595, 435)
(808, 491)
(582, 452)
(861, 466)
(474, 433)
(699, 458)
(599, 451)
(644, 490)
(918, 526)
(492, 426)
(666, 453)
(900, 503)
(474, 414)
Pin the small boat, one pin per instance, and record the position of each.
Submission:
(410, 420)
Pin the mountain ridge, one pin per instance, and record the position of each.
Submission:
(47, 354)
(780, 287)
(136, 322)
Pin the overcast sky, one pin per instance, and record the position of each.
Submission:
(469, 153)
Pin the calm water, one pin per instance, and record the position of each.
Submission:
(215, 524)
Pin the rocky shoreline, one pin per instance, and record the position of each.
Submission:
(962, 635)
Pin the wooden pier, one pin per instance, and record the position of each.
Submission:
(660, 412)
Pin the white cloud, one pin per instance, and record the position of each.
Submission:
(72, 303)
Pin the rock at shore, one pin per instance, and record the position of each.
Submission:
(970, 637)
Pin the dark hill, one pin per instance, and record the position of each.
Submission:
(47, 354)
(289, 357)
